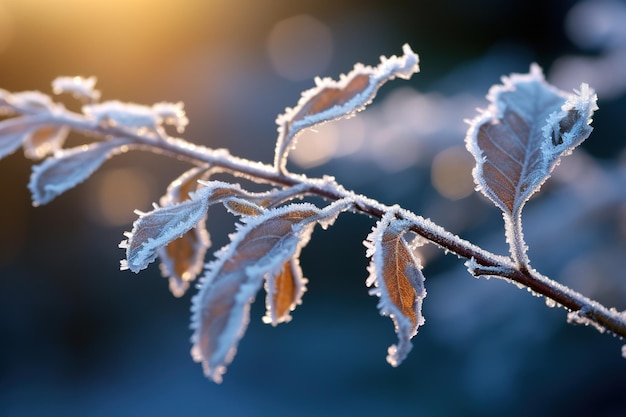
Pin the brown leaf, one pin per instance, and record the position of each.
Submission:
(183, 258)
(331, 100)
(398, 280)
(261, 248)
(284, 292)
(519, 140)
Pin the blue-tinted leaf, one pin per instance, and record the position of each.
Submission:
(183, 258)
(260, 248)
(519, 140)
(70, 167)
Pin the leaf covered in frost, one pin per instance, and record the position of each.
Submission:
(12, 134)
(157, 228)
(80, 87)
(398, 281)
(183, 259)
(284, 291)
(38, 138)
(259, 250)
(521, 137)
(330, 99)
(69, 167)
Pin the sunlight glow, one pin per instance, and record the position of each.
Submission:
(300, 47)
(118, 192)
(451, 173)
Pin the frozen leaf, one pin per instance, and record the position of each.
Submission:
(38, 137)
(284, 292)
(259, 250)
(70, 167)
(397, 278)
(330, 99)
(12, 134)
(79, 87)
(32, 101)
(137, 116)
(183, 258)
(157, 228)
(519, 140)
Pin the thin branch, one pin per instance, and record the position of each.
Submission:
(485, 262)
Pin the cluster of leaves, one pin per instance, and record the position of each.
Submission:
(517, 142)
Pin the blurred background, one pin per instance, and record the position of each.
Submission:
(81, 338)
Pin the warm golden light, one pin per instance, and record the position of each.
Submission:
(451, 173)
(118, 193)
(300, 47)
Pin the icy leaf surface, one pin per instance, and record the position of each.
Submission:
(136, 116)
(69, 167)
(12, 134)
(284, 292)
(521, 137)
(79, 87)
(182, 259)
(398, 281)
(330, 99)
(37, 138)
(259, 250)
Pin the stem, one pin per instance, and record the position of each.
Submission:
(513, 269)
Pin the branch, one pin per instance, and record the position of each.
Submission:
(483, 262)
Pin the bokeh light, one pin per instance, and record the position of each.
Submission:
(300, 47)
(451, 173)
(117, 193)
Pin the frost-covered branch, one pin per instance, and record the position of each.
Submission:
(517, 143)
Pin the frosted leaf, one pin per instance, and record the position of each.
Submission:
(157, 228)
(397, 280)
(519, 140)
(12, 134)
(284, 291)
(172, 114)
(136, 116)
(69, 167)
(31, 101)
(35, 133)
(258, 250)
(79, 87)
(183, 258)
(330, 100)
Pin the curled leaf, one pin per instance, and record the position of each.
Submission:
(183, 259)
(136, 116)
(398, 281)
(37, 137)
(79, 87)
(12, 134)
(70, 167)
(330, 100)
(259, 250)
(284, 291)
(519, 140)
